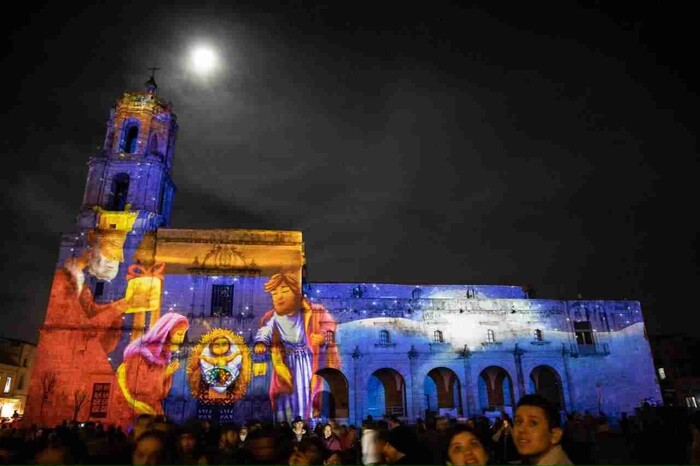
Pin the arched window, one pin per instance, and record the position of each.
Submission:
(490, 336)
(330, 337)
(437, 336)
(384, 337)
(538, 335)
(131, 136)
(120, 191)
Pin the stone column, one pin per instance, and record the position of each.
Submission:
(570, 403)
(413, 405)
(356, 389)
(467, 387)
(518, 355)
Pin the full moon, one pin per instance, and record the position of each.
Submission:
(203, 60)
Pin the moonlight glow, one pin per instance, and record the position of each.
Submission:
(203, 60)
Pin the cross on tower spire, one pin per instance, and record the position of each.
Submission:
(151, 85)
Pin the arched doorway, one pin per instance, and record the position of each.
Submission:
(386, 393)
(331, 401)
(442, 392)
(545, 381)
(495, 389)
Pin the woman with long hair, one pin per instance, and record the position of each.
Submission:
(330, 439)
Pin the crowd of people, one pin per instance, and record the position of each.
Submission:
(537, 434)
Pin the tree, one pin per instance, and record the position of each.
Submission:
(48, 386)
(79, 397)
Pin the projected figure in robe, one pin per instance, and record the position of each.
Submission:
(294, 331)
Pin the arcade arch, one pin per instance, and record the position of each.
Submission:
(443, 392)
(332, 400)
(386, 393)
(495, 389)
(545, 381)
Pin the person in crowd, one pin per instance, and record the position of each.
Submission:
(350, 443)
(189, 451)
(264, 447)
(438, 441)
(695, 442)
(142, 424)
(466, 447)
(151, 449)
(228, 447)
(330, 439)
(298, 430)
(242, 435)
(333, 458)
(7, 452)
(504, 447)
(576, 439)
(538, 432)
(392, 421)
(310, 450)
(400, 446)
(54, 455)
(162, 424)
(371, 454)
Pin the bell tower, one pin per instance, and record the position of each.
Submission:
(135, 164)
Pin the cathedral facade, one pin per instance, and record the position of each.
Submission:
(222, 325)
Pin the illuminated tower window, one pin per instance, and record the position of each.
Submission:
(437, 336)
(490, 336)
(330, 337)
(131, 136)
(384, 337)
(538, 335)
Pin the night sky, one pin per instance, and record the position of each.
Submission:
(551, 145)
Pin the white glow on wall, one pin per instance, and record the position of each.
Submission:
(9, 407)
(8, 385)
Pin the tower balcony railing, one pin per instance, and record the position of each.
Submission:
(592, 349)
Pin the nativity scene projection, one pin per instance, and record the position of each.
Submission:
(221, 324)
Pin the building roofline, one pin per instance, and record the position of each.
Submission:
(17, 340)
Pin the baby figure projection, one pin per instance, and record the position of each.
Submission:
(219, 367)
(220, 363)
